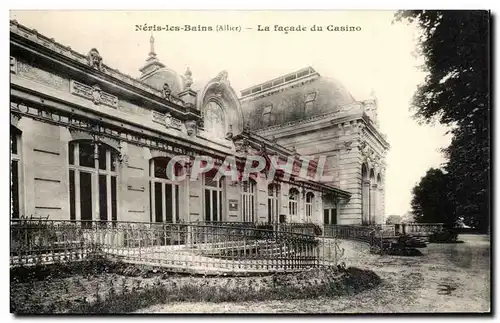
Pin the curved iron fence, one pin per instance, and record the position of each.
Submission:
(219, 247)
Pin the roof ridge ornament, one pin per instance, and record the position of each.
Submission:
(188, 79)
(222, 77)
(95, 59)
(152, 52)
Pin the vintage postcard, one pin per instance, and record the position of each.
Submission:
(250, 162)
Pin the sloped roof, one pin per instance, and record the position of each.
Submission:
(315, 95)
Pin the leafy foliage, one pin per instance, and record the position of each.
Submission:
(431, 202)
(454, 45)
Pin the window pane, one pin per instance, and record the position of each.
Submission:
(160, 167)
(13, 142)
(207, 205)
(71, 153)
(15, 188)
(168, 203)
(114, 159)
(270, 190)
(85, 196)
(244, 207)
(176, 203)
(72, 205)
(214, 206)
(269, 210)
(219, 215)
(102, 157)
(86, 153)
(334, 216)
(114, 215)
(158, 203)
(210, 182)
(325, 216)
(252, 214)
(103, 198)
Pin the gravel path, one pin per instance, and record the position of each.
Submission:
(448, 278)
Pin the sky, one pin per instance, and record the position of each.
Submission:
(379, 58)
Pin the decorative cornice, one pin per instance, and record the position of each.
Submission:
(95, 62)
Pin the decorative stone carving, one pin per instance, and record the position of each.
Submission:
(229, 134)
(347, 144)
(191, 127)
(176, 123)
(168, 120)
(241, 145)
(201, 122)
(222, 77)
(123, 159)
(188, 80)
(95, 60)
(166, 92)
(96, 94)
(93, 93)
(159, 117)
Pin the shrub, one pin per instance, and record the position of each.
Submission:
(444, 236)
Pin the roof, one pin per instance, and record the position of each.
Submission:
(300, 98)
(164, 75)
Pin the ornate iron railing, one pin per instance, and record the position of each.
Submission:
(218, 247)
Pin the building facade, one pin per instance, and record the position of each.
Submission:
(91, 143)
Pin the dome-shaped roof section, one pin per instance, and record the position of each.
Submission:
(299, 101)
(164, 75)
(337, 91)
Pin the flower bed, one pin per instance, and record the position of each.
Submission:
(103, 287)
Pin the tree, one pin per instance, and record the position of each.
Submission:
(431, 202)
(455, 49)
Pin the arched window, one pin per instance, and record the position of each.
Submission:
(15, 170)
(214, 194)
(164, 193)
(309, 205)
(215, 123)
(273, 201)
(248, 200)
(92, 181)
(293, 199)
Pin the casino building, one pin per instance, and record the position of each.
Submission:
(91, 143)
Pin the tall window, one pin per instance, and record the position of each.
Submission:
(92, 181)
(248, 200)
(309, 205)
(293, 198)
(213, 197)
(15, 160)
(273, 197)
(214, 120)
(164, 193)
